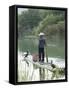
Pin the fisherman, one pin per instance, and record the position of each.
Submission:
(41, 46)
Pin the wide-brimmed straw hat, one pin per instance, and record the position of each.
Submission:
(41, 34)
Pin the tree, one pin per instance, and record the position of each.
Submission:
(28, 20)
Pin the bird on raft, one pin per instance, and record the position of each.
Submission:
(25, 56)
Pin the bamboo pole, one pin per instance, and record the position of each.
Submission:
(42, 73)
(46, 53)
(46, 59)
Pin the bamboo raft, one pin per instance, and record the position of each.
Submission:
(45, 67)
(40, 65)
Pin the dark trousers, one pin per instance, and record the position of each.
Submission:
(41, 54)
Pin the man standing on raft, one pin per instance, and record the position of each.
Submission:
(41, 47)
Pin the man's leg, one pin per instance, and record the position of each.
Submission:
(42, 54)
(39, 54)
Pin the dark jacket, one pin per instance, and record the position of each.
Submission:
(42, 42)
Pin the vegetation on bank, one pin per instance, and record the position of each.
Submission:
(32, 22)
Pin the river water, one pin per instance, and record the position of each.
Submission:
(55, 52)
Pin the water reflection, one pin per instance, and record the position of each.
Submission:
(34, 73)
(55, 51)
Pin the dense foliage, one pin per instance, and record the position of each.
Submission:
(34, 21)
